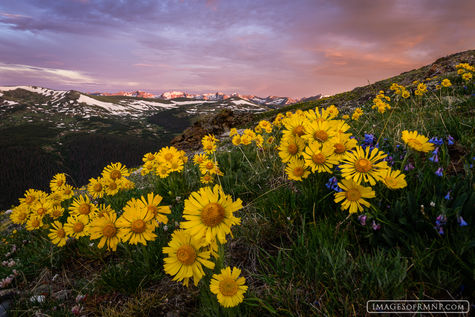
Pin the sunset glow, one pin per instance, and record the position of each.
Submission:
(287, 48)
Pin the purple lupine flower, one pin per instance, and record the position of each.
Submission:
(362, 219)
(435, 157)
(376, 226)
(440, 221)
(368, 139)
(447, 197)
(462, 222)
(441, 230)
(409, 167)
(439, 172)
(436, 141)
(450, 140)
(332, 184)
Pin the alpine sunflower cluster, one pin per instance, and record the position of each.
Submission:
(167, 160)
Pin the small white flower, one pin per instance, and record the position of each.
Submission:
(432, 204)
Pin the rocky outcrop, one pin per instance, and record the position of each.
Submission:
(217, 124)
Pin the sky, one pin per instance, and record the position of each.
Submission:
(291, 48)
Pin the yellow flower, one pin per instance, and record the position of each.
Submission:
(228, 287)
(206, 178)
(417, 141)
(210, 167)
(446, 83)
(67, 192)
(57, 234)
(42, 207)
(163, 171)
(319, 131)
(342, 144)
(246, 139)
(209, 213)
(58, 181)
(95, 188)
(209, 143)
(320, 157)
(363, 165)
(31, 196)
(232, 132)
(467, 76)
(136, 225)
(83, 208)
(290, 148)
(105, 228)
(186, 257)
(20, 214)
(406, 94)
(56, 212)
(34, 223)
(357, 114)
(353, 195)
(295, 126)
(394, 179)
(76, 226)
(199, 158)
(149, 157)
(152, 205)
(345, 117)
(296, 170)
(332, 111)
(115, 171)
(236, 140)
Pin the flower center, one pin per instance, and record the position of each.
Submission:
(298, 171)
(59, 182)
(60, 233)
(212, 214)
(353, 194)
(209, 165)
(97, 187)
(138, 226)
(186, 254)
(112, 185)
(78, 227)
(67, 191)
(152, 209)
(292, 148)
(35, 223)
(298, 130)
(318, 158)
(228, 286)
(209, 147)
(29, 199)
(150, 157)
(320, 135)
(363, 165)
(168, 156)
(116, 174)
(22, 216)
(84, 209)
(109, 230)
(56, 212)
(41, 211)
(339, 148)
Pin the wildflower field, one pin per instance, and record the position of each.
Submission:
(312, 210)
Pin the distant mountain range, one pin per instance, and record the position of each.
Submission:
(272, 101)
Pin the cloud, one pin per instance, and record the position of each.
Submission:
(277, 47)
(8, 73)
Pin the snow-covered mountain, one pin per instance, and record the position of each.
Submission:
(74, 103)
(270, 101)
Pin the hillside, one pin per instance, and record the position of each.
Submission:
(313, 212)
